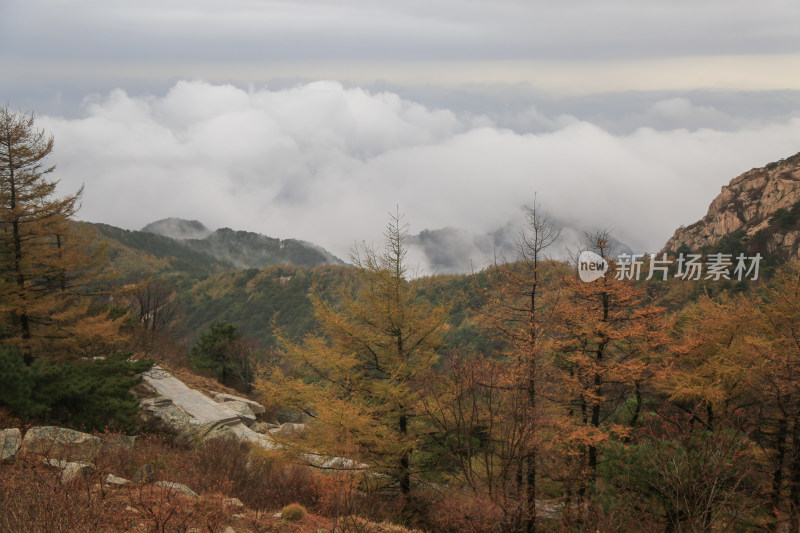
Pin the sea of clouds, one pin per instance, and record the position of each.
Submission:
(326, 163)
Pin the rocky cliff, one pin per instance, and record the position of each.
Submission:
(761, 207)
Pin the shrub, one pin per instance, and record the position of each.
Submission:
(293, 512)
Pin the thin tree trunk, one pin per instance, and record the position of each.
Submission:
(794, 476)
(777, 473)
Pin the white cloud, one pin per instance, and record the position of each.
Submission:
(324, 163)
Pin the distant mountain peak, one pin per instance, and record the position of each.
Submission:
(241, 249)
(178, 228)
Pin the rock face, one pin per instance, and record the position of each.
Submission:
(760, 203)
(61, 443)
(10, 442)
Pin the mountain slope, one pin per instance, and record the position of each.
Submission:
(759, 209)
(241, 249)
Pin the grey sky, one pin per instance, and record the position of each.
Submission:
(313, 119)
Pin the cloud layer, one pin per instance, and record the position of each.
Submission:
(325, 163)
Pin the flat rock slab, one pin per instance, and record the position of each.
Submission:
(202, 408)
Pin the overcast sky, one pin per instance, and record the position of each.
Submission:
(313, 119)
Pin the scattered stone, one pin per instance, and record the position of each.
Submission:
(74, 471)
(10, 442)
(233, 502)
(116, 443)
(176, 487)
(111, 479)
(70, 471)
(229, 529)
(289, 429)
(61, 443)
(144, 474)
(263, 427)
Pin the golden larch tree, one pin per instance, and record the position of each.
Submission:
(46, 267)
(361, 377)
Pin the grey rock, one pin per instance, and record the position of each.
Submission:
(289, 429)
(233, 502)
(61, 443)
(70, 470)
(263, 427)
(290, 415)
(116, 443)
(75, 471)
(111, 479)
(10, 442)
(175, 487)
(143, 474)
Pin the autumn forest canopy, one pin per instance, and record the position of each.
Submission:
(512, 399)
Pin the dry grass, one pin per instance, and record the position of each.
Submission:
(33, 498)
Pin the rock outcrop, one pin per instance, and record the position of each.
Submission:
(194, 417)
(759, 203)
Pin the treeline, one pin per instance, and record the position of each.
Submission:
(592, 406)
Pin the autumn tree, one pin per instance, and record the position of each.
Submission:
(514, 315)
(779, 388)
(607, 334)
(46, 267)
(153, 312)
(361, 377)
